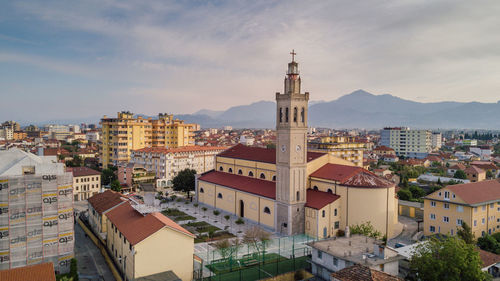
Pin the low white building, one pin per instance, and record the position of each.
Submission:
(166, 163)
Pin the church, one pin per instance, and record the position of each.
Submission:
(292, 191)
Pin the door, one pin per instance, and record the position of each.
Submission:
(242, 209)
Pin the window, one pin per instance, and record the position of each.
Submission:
(432, 229)
(219, 195)
(460, 209)
(446, 195)
(433, 203)
(433, 216)
(335, 212)
(221, 169)
(76, 180)
(274, 178)
(446, 205)
(298, 196)
(446, 219)
(286, 115)
(439, 194)
(329, 190)
(262, 176)
(230, 170)
(475, 222)
(250, 174)
(320, 255)
(202, 190)
(315, 188)
(267, 210)
(130, 247)
(295, 114)
(323, 213)
(240, 172)
(475, 209)
(337, 225)
(484, 208)
(335, 261)
(302, 113)
(281, 114)
(492, 205)
(459, 221)
(482, 220)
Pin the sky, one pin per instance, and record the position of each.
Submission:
(88, 58)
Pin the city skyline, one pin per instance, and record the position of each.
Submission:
(95, 58)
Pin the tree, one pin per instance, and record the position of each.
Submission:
(116, 186)
(489, 174)
(107, 176)
(404, 194)
(417, 192)
(184, 181)
(439, 181)
(465, 233)
(489, 243)
(257, 238)
(459, 174)
(365, 229)
(447, 259)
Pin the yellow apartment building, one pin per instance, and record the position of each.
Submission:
(125, 133)
(477, 204)
(344, 147)
(99, 205)
(148, 244)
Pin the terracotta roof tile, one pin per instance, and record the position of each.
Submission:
(474, 170)
(165, 150)
(383, 148)
(488, 258)
(362, 273)
(243, 183)
(37, 272)
(318, 199)
(260, 154)
(102, 202)
(477, 192)
(137, 227)
(351, 176)
(458, 166)
(83, 171)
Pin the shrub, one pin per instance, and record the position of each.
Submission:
(239, 221)
(340, 233)
(227, 217)
(404, 194)
(196, 205)
(216, 212)
(204, 209)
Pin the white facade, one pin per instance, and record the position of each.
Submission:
(437, 141)
(6, 133)
(92, 136)
(406, 142)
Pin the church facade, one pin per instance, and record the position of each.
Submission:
(293, 191)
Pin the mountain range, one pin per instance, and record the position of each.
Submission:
(358, 109)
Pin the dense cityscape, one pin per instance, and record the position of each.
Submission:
(218, 195)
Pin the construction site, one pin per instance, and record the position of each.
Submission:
(36, 211)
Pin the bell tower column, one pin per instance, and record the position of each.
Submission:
(291, 153)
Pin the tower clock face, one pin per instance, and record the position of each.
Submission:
(298, 148)
(283, 148)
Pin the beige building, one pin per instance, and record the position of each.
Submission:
(167, 162)
(148, 244)
(342, 147)
(86, 182)
(99, 205)
(271, 186)
(125, 133)
(477, 204)
(475, 174)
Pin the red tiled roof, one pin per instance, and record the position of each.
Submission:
(458, 166)
(318, 199)
(137, 227)
(359, 272)
(484, 165)
(247, 184)
(260, 154)
(193, 148)
(474, 170)
(488, 258)
(102, 202)
(383, 148)
(434, 158)
(477, 192)
(351, 176)
(37, 272)
(82, 171)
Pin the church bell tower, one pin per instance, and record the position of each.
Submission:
(291, 153)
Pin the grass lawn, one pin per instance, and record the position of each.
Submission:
(173, 212)
(184, 218)
(266, 270)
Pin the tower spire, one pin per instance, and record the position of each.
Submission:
(293, 53)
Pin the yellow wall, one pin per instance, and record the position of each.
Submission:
(315, 222)
(257, 168)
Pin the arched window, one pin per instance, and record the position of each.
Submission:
(335, 212)
(281, 114)
(262, 176)
(298, 195)
(202, 190)
(221, 169)
(322, 212)
(250, 174)
(230, 170)
(219, 195)
(295, 114)
(315, 188)
(302, 115)
(274, 178)
(240, 172)
(286, 115)
(329, 190)
(267, 210)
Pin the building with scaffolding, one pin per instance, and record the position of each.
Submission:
(36, 211)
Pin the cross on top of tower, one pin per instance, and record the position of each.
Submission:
(293, 53)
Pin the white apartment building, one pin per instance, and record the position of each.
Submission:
(86, 182)
(167, 162)
(406, 142)
(437, 141)
(6, 133)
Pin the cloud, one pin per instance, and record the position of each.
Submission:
(184, 56)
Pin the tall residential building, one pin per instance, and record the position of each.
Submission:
(125, 133)
(36, 218)
(343, 147)
(167, 162)
(406, 142)
(437, 141)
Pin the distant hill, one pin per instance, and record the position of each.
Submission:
(358, 109)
